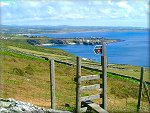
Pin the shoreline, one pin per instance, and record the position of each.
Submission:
(50, 44)
(70, 41)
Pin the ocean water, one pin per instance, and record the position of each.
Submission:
(134, 50)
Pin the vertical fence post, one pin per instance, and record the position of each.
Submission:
(52, 83)
(147, 91)
(140, 89)
(104, 79)
(78, 75)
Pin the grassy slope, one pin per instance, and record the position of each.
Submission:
(21, 42)
(126, 70)
(17, 43)
(27, 78)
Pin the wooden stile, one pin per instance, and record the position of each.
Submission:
(101, 87)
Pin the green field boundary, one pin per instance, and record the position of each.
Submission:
(68, 61)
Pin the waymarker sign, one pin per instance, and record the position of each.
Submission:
(98, 49)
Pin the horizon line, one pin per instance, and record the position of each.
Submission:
(75, 26)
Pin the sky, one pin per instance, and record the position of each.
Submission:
(133, 13)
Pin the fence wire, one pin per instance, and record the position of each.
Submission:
(25, 82)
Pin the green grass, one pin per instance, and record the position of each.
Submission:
(26, 78)
(22, 43)
(129, 70)
(14, 54)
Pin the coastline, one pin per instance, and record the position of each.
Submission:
(50, 44)
(126, 50)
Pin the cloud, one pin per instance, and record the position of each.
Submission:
(69, 11)
(51, 11)
(110, 2)
(97, 2)
(126, 6)
(123, 4)
(106, 11)
(4, 4)
(33, 3)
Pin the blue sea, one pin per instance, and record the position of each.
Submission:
(134, 50)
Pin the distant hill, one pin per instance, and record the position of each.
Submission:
(38, 29)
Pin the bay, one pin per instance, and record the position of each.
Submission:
(133, 51)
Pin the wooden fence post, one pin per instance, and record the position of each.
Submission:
(52, 83)
(147, 91)
(78, 76)
(140, 89)
(104, 79)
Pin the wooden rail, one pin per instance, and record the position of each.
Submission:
(89, 77)
(92, 97)
(90, 105)
(91, 87)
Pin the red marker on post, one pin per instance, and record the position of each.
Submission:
(98, 49)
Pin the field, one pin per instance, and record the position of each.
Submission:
(26, 78)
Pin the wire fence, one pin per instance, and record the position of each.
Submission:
(30, 82)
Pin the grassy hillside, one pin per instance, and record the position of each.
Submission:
(19, 43)
(26, 78)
